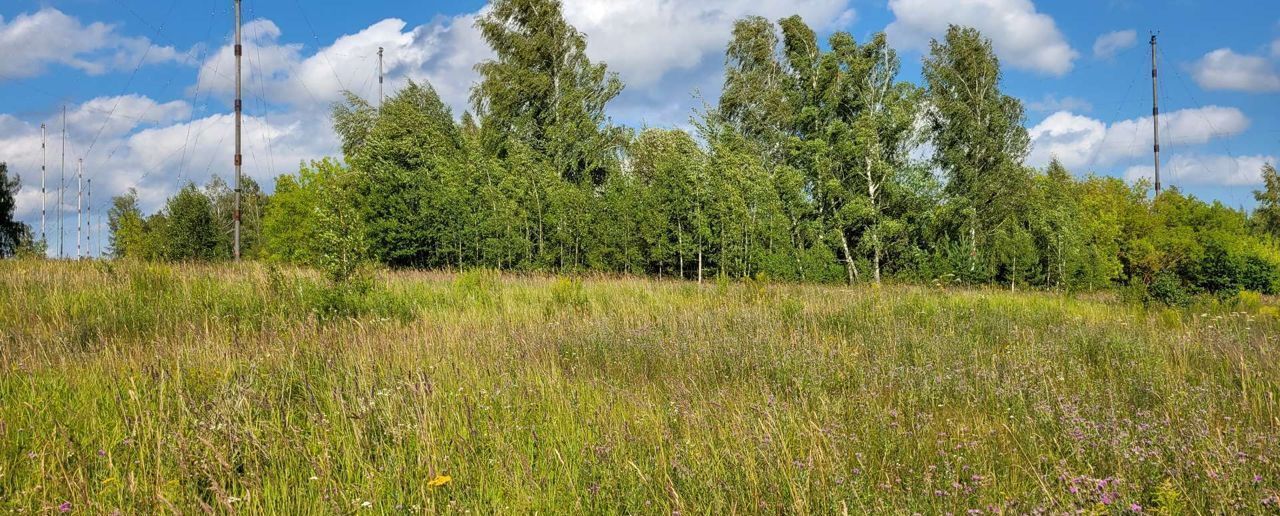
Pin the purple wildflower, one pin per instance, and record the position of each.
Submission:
(1135, 507)
(65, 507)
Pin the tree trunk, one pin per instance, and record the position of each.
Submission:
(850, 269)
(680, 246)
(875, 243)
(973, 246)
(699, 264)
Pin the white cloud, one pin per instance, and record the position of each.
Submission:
(157, 156)
(1112, 43)
(1071, 138)
(1021, 36)
(1052, 103)
(32, 42)
(115, 116)
(443, 53)
(1223, 69)
(645, 40)
(668, 52)
(655, 47)
(1198, 170)
(1275, 48)
(1082, 142)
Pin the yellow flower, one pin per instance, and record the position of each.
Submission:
(440, 480)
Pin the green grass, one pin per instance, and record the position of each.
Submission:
(152, 389)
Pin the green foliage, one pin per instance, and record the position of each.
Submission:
(289, 224)
(478, 286)
(543, 92)
(1267, 217)
(128, 232)
(15, 236)
(1168, 289)
(1169, 501)
(197, 224)
(190, 231)
(803, 171)
(567, 295)
(412, 181)
(1259, 275)
(979, 141)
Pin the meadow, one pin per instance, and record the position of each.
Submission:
(135, 388)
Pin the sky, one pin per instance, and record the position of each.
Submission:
(147, 84)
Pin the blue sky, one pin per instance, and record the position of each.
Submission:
(147, 82)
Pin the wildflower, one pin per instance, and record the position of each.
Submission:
(440, 480)
(1106, 499)
(102, 453)
(366, 504)
(1135, 507)
(65, 507)
(1257, 479)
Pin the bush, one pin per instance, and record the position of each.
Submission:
(1259, 275)
(1167, 289)
(1217, 273)
(342, 299)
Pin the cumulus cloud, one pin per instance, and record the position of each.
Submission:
(157, 155)
(1224, 69)
(1081, 142)
(1022, 36)
(115, 116)
(1112, 43)
(443, 53)
(1198, 170)
(645, 40)
(670, 53)
(655, 47)
(31, 42)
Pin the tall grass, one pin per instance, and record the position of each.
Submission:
(152, 389)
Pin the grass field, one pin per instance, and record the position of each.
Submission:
(150, 389)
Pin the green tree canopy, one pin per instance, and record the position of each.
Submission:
(541, 90)
(13, 233)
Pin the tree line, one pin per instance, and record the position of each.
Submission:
(803, 171)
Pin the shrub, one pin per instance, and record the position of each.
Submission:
(342, 299)
(1167, 289)
(1259, 275)
(1217, 273)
